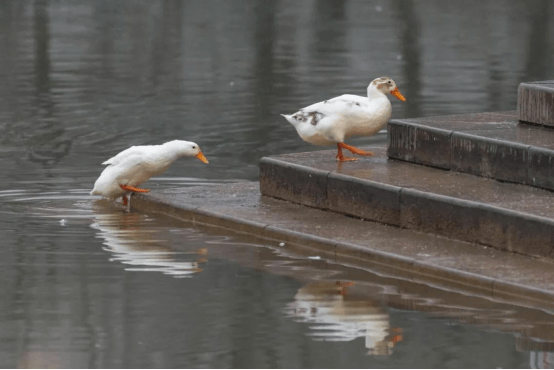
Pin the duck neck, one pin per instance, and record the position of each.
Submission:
(373, 92)
(170, 153)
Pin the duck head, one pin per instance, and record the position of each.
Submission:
(387, 85)
(187, 149)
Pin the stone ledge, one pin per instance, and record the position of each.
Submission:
(430, 201)
(492, 145)
(535, 102)
(493, 158)
(416, 143)
(453, 265)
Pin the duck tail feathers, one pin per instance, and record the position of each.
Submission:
(289, 118)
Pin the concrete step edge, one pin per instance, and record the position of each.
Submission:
(535, 102)
(455, 218)
(347, 253)
(470, 153)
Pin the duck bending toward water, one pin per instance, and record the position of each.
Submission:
(334, 120)
(135, 165)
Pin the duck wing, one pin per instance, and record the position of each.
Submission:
(337, 104)
(129, 152)
(340, 106)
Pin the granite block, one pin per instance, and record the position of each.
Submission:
(366, 199)
(481, 156)
(292, 182)
(541, 168)
(535, 103)
(419, 144)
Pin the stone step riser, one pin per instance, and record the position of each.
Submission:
(535, 102)
(467, 153)
(408, 208)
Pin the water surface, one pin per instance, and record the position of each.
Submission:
(88, 284)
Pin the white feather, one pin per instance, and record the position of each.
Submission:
(137, 164)
(334, 120)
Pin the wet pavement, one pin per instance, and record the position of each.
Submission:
(311, 232)
(510, 217)
(494, 145)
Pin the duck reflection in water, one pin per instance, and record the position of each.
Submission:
(135, 242)
(338, 317)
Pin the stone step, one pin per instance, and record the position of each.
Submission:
(296, 231)
(535, 102)
(494, 145)
(506, 216)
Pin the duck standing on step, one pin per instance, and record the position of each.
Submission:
(333, 121)
(137, 164)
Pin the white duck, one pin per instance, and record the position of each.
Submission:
(137, 164)
(334, 120)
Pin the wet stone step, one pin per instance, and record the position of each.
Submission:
(535, 102)
(506, 216)
(494, 145)
(295, 230)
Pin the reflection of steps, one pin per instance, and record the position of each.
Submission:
(335, 317)
(524, 344)
(507, 292)
(494, 146)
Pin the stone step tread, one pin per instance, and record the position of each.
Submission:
(546, 82)
(493, 145)
(380, 169)
(240, 207)
(492, 125)
(508, 216)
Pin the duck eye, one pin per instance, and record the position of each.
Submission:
(193, 147)
(389, 82)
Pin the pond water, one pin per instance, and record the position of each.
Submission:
(86, 283)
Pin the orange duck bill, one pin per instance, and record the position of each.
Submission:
(201, 157)
(397, 94)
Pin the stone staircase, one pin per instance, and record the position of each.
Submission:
(484, 178)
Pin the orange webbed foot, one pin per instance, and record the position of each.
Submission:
(342, 158)
(353, 149)
(133, 189)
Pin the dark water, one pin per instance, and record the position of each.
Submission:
(88, 284)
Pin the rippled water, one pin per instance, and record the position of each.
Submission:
(88, 284)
